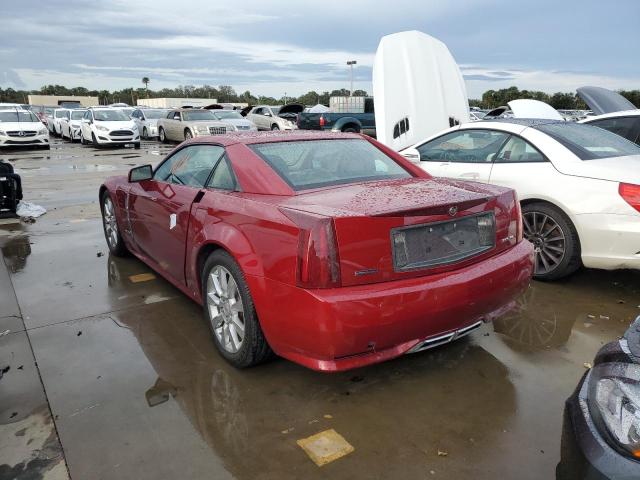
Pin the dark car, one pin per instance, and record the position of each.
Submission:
(601, 428)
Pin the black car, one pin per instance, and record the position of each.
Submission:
(601, 428)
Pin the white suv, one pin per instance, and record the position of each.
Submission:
(108, 126)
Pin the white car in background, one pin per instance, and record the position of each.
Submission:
(108, 126)
(268, 117)
(232, 117)
(70, 125)
(22, 128)
(53, 124)
(579, 186)
(147, 120)
(612, 112)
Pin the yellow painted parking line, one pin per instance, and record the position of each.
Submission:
(325, 447)
(142, 277)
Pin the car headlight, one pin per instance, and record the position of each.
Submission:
(102, 128)
(134, 128)
(202, 129)
(42, 131)
(614, 404)
(2, 133)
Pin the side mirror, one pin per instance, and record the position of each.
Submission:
(411, 154)
(138, 174)
(267, 114)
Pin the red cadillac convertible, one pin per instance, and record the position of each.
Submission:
(328, 249)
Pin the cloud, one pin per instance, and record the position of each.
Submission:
(276, 46)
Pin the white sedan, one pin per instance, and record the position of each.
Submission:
(108, 126)
(71, 124)
(579, 186)
(22, 128)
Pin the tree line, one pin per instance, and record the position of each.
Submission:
(227, 94)
(222, 93)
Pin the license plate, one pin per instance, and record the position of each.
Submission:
(129, 145)
(421, 246)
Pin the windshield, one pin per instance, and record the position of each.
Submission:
(589, 142)
(127, 111)
(111, 115)
(77, 114)
(60, 113)
(195, 115)
(275, 110)
(227, 114)
(318, 163)
(155, 114)
(18, 116)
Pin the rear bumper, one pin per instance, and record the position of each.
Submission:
(609, 241)
(344, 328)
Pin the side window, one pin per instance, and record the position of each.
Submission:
(170, 115)
(624, 126)
(259, 111)
(135, 114)
(517, 150)
(223, 177)
(189, 166)
(464, 146)
(176, 116)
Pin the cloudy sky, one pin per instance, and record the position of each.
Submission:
(271, 46)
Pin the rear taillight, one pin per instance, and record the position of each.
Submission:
(321, 121)
(515, 223)
(631, 194)
(318, 265)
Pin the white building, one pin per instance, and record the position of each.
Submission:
(175, 102)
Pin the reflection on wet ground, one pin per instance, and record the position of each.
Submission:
(137, 389)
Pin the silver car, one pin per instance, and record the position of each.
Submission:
(234, 118)
(147, 120)
(183, 124)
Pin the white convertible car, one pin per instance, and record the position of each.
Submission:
(579, 186)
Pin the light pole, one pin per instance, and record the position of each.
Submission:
(351, 63)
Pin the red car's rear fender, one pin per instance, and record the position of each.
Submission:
(207, 236)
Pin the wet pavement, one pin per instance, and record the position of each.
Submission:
(128, 383)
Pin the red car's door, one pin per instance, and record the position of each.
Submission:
(161, 207)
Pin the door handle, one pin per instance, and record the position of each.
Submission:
(444, 164)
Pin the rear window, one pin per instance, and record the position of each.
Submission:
(317, 163)
(589, 142)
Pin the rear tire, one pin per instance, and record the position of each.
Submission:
(351, 129)
(275, 127)
(555, 241)
(110, 226)
(145, 134)
(231, 314)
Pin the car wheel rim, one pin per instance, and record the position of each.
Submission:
(226, 311)
(549, 243)
(110, 223)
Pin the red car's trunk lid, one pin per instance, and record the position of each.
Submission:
(366, 214)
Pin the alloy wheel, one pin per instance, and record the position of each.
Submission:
(549, 243)
(226, 310)
(110, 223)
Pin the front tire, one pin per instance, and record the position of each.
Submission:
(94, 140)
(136, 145)
(230, 312)
(110, 226)
(145, 134)
(275, 127)
(555, 241)
(162, 135)
(188, 135)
